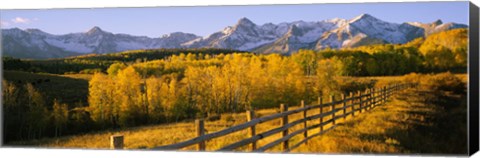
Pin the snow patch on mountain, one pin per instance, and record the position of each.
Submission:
(245, 35)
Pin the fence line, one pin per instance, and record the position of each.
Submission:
(358, 102)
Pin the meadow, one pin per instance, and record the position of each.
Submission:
(436, 118)
(153, 96)
(418, 120)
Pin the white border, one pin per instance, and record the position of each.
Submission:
(47, 4)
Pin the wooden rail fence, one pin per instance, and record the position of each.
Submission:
(348, 105)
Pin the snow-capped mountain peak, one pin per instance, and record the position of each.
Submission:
(244, 35)
(35, 31)
(437, 22)
(95, 30)
(295, 30)
(364, 17)
(245, 22)
(436, 26)
(337, 21)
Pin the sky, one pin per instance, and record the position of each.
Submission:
(157, 21)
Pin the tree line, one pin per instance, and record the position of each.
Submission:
(92, 63)
(189, 85)
(27, 115)
(134, 94)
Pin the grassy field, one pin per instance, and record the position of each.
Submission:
(158, 135)
(70, 89)
(416, 121)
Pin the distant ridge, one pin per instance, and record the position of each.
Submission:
(245, 35)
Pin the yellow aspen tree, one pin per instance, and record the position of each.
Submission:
(101, 99)
(60, 116)
(154, 87)
(327, 77)
(128, 96)
(37, 114)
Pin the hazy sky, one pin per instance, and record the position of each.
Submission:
(154, 22)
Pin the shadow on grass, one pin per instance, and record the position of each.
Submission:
(65, 89)
(414, 122)
(438, 123)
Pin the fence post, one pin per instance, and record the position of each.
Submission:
(284, 122)
(365, 105)
(200, 128)
(320, 102)
(389, 90)
(384, 90)
(392, 89)
(372, 98)
(116, 142)
(305, 134)
(396, 88)
(359, 101)
(381, 96)
(332, 108)
(250, 117)
(384, 94)
(344, 100)
(379, 92)
(368, 100)
(352, 103)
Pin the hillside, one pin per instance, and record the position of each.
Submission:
(72, 89)
(91, 63)
(441, 51)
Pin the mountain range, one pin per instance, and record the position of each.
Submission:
(245, 35)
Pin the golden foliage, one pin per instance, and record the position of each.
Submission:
(446, 49)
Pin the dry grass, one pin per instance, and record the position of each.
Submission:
(392, 128)
(86, 77)
(414, 122)
(364, 134)
(158, 135)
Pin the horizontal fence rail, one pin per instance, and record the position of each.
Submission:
(349, 105)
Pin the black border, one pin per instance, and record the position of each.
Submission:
(473, 106)
(2, 119)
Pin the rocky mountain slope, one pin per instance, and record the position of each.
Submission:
(245, 35)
